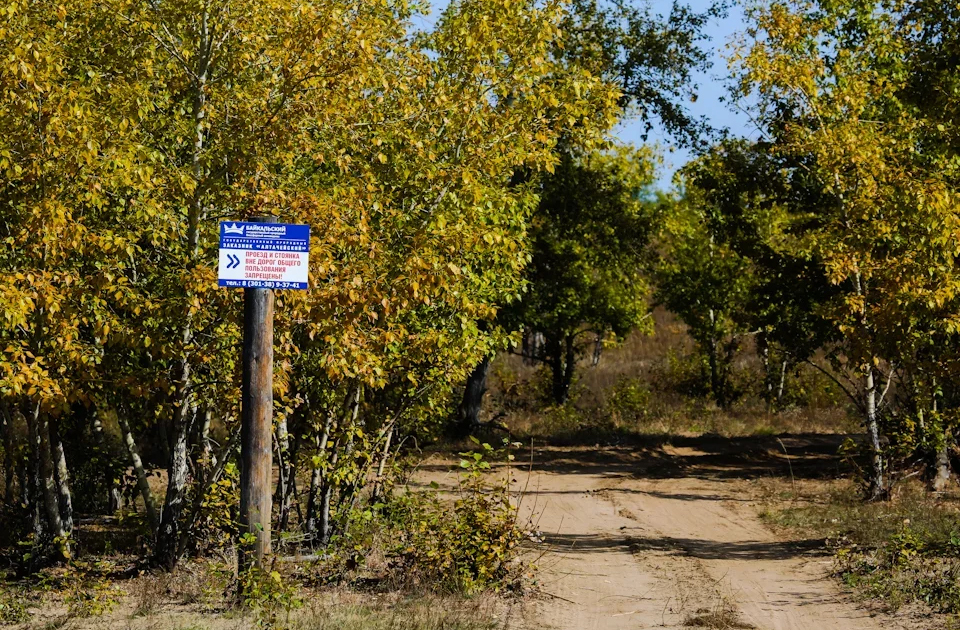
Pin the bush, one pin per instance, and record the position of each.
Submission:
(467, 545)
(629, 402)
(91, 598)
(901, 551)
(682, 374)
(267, 595)
(218, 523)
(901, 571)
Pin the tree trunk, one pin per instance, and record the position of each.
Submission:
(378, 484)
(533, 346)
(316, 478)
(877, 489)
(326, 497)
(51, 499)
(65, 501)
(763, 350)
(32, 487)
(325, 526)
(943, 470)
(143, 485)
(597, 349)
(168, 531)
(556, 369)
(8, 466)
(526, 350)
(287, 497)
(564, 360)
(468, 411)
(114, 500)
(783, 382)
(113, 493)
(570, 365)
(282, 437)
(206, 445)
(716, 387)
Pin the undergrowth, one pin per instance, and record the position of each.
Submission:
(421, 613)
(899, 552)
(467, 544)
(461, 540)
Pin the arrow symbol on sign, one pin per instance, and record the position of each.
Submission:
(234, 261)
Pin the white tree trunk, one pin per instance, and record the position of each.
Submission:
(877, 488)
(143, 485)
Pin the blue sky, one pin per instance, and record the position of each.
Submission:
(711, 87)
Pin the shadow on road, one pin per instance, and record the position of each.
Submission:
(802, 456)
(697, 548)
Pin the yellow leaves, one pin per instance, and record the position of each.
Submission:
(393, 246)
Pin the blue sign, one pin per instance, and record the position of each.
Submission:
(264, 255)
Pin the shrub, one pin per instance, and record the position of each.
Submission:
(267, 595)
(682, 374)
(900, 551)
(467, 545)
(218, 522)
(87, 599)
(629, 401)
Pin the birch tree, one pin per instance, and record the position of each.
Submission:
(832, 84)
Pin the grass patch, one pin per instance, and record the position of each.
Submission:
(648, 386)
(413, 614)
(13, 607)
(724, 619)
(899, 552)
(837, 512)
(342, 610)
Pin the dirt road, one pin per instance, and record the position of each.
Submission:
(668, 538)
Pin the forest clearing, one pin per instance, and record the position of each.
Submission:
(362, 314)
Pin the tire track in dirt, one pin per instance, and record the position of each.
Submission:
(622, 551)
(590, 575)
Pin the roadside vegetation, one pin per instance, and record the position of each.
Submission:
(488, 266)
(903, 552)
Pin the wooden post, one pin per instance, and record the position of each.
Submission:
(256, 429)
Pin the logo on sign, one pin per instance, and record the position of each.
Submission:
(233, 229)
(260, 230)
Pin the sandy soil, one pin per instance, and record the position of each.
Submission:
(670, 538)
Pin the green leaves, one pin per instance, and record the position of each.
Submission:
(588, 237)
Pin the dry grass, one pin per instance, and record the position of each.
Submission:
(195, 598)
(901, 553)
(421, 613)
(835, 509)
(641, 388)
(725, 619)
(326, 611)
